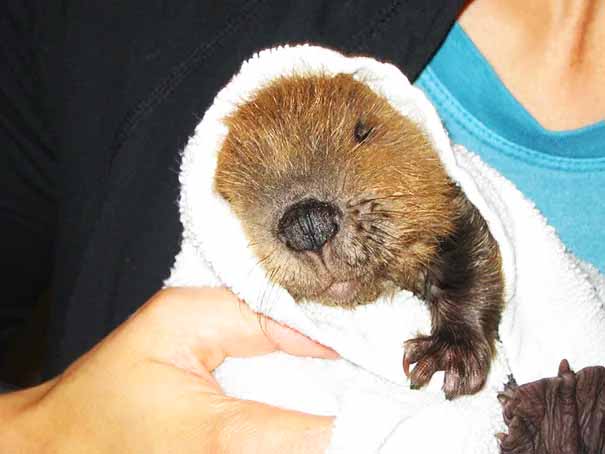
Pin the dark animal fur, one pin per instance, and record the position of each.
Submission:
(311, 141)
(464, 288)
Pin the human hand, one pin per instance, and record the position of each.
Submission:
(148, 387)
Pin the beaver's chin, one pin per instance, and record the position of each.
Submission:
(341, 292)
(348, 293)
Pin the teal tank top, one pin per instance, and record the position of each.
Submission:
(562, 172)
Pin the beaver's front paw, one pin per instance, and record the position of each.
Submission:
(465, 361)
(563, 414)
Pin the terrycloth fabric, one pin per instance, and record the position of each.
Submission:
(555, 304)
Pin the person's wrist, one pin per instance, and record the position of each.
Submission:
(23, 425)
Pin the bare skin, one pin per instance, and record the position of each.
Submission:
(148, 387)
(549, 54)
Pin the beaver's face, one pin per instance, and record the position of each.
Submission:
(341, 197)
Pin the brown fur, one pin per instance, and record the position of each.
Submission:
(403, 224)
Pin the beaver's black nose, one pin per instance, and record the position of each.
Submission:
(308, 225)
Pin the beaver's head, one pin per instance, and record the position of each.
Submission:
(342, 198)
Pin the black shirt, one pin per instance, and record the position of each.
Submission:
(98, 98)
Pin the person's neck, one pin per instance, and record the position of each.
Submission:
(569, 31)
(549, 53)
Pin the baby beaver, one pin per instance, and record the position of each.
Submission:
(344, 200)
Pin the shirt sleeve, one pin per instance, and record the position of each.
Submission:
(27, 180)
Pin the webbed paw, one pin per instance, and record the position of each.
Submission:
(562, 414)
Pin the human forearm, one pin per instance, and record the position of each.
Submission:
(22, 429)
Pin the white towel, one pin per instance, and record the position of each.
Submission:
(554, 303)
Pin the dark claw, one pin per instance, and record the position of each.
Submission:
(466, 363)
(406, 365)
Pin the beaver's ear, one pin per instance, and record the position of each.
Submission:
(465, 279)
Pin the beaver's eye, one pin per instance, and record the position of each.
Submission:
(362, 131)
